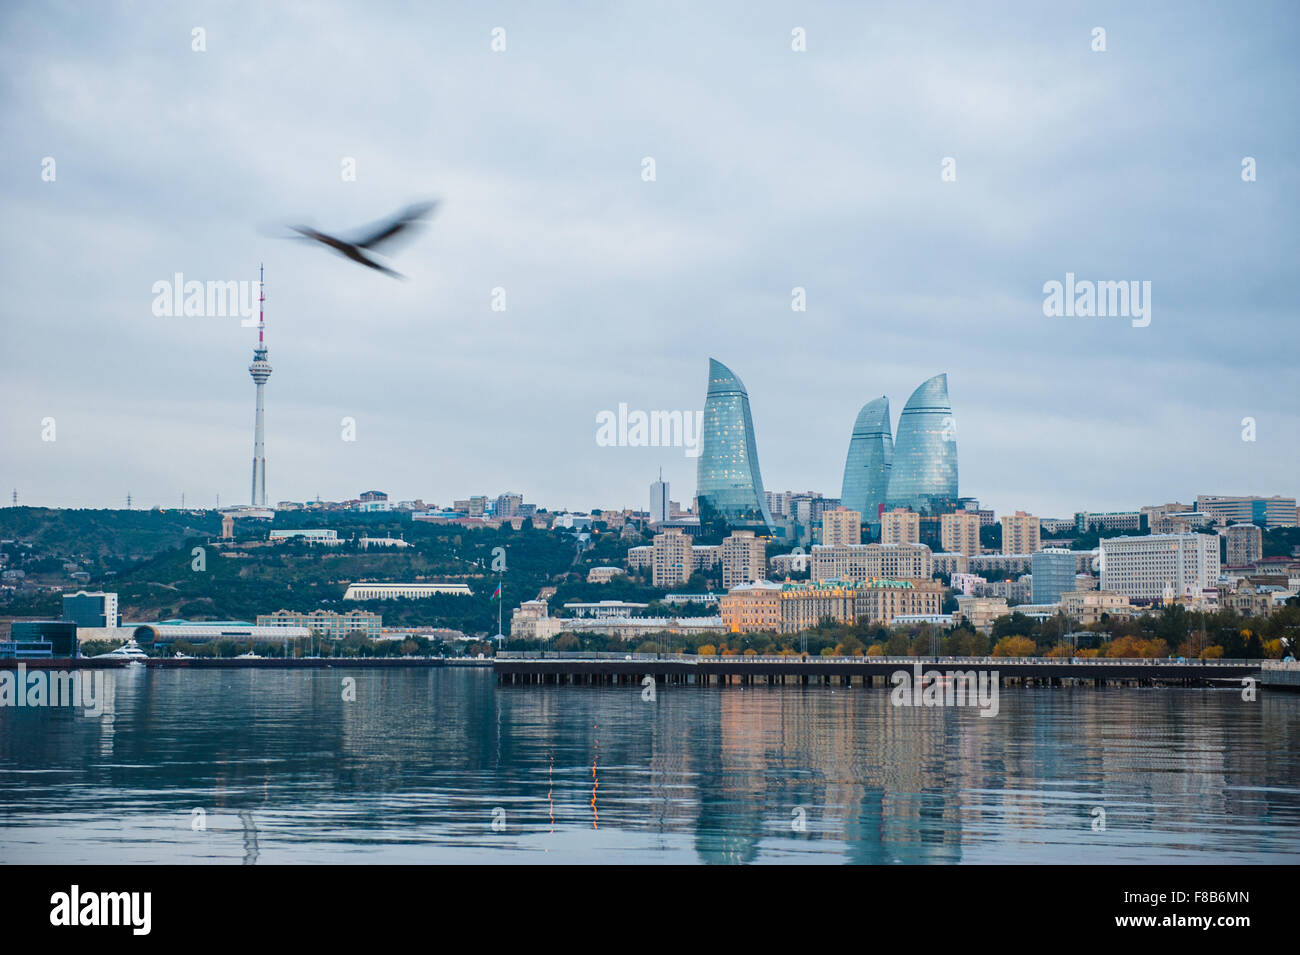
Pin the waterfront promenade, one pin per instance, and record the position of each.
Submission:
(253, 663)
(513, 669)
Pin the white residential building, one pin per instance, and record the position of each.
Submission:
(1160, 566)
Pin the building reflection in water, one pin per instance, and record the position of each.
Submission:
(420, 759)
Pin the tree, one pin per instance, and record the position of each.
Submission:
(1014, 647)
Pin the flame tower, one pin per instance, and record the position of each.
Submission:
(260, 371)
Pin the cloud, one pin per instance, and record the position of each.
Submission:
(774, 170)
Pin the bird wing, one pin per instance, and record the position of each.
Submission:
(396, 225)
(358, 256)
(322, 238)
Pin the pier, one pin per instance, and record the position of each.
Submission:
(248, 663)
(525, 669)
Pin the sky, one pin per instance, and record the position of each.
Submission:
(821, 169)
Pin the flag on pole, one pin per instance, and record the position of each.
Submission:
(496, 594)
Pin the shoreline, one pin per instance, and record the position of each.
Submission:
(263, 663)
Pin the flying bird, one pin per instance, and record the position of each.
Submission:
(384, 233)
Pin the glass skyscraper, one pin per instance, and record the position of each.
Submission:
(924, 472)
(729, 487)
(1053, 572)
(866, 468)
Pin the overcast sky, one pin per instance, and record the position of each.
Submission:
(774, 169)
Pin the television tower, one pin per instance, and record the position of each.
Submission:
(259, 370)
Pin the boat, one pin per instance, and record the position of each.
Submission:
(129, 652)
(250, 655)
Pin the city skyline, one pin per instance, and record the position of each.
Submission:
(618, 286)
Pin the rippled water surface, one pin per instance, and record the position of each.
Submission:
(442, 765)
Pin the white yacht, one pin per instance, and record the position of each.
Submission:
(129, 652)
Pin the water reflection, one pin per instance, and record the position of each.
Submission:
(287, 770)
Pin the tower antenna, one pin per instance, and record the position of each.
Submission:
(260, 371)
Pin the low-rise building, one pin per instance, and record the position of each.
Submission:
(532, 620)
(326, 623)
(632, 628)
(915, 619)
(1086, 521)
(986, 564)
(675, 599)
(640, 558)
(395, 542)
(605, 609)
(1253, 600)
(804, 605)
(869, 561)
(95, 610)
(1090, 606)
(780, 566)
(36, 639)
(148, 635)
(752, 608)
(1271, 512)
(967, 584)
(949, 563)
(981, 611)
(312, 535)
(373, 591)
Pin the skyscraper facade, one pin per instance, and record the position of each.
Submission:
(923, 475)
(729, 487)
(870, 457)
(659, 507)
